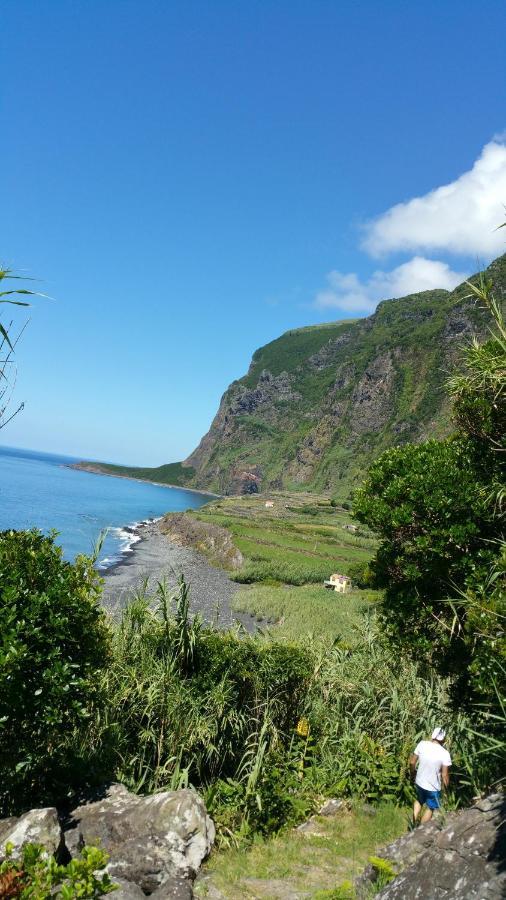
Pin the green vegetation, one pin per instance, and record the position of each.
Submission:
(292, 544)
(288, 551)
(53, 643)
(178, 703)
(319, 404)
(285, 353)
(439, 510)
(37, 875)
(334, 853)
(171, 473)
(306, 612)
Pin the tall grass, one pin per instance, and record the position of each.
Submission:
(298, 612)
(187, 704)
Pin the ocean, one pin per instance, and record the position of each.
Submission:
(39, 490)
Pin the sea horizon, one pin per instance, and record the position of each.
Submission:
(41, 490)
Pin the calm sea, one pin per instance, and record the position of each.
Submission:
(38, 489)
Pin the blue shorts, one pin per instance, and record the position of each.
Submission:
(430, 798)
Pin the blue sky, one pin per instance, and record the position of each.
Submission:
(190, 179)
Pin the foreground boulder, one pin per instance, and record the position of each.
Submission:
(39, 826)
(462, 858)
(157, 842)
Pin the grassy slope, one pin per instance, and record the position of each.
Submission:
(316, 863)
(288, 551)
(171, 473)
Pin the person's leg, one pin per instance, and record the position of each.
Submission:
(427, 815)
(417, 808)
(432, 803)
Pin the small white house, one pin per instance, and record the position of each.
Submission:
(269, 504)
(339, 583)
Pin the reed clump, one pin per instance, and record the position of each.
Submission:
(264, 729)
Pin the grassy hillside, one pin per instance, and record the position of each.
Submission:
(287, 551)
(171, 473)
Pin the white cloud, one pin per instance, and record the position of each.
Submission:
(349, 294)
(460, 217)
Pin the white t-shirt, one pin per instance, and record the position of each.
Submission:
(431, 757)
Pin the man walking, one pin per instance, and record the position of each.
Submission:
(430, 761)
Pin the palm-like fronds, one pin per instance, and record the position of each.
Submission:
(8, 342)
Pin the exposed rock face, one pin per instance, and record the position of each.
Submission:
(156, 842)
(326, 356)
(463, 858)
(187, 531)
(39, 826)
(243, 481)
(372, 399)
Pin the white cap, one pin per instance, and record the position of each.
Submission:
(438, 734)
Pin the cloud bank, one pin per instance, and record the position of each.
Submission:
(348, 293)
(459, 218)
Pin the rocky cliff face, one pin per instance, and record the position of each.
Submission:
(319, 403)
(463, 858)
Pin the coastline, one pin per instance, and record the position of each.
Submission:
(153, 558)
(94, 470)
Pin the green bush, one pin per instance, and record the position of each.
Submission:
(439, 508)
(37, 875)
(361, 575)
(53, 642)
(430, 508)
(164, 719)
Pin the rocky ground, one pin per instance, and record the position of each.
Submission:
(156, 558)
(459, 856)
(155, 844)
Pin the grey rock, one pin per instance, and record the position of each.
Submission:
(369, 810)
(463, 858)
(205, 888)
(38, 826)
(174, 889)
(332, 807)
(372, 398)
(127, 890)
(151, 841)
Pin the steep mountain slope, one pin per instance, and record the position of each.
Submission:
(319, 403)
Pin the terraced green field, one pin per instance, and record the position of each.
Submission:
(288, 551)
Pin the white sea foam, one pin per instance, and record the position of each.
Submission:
(126, 536)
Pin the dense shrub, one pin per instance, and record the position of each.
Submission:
(438, 508)
(53, 641)
(220, 710)
(432, 513)
(183, 698)
(40, 877)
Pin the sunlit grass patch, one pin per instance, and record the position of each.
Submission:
(337, 851)
(297, 612)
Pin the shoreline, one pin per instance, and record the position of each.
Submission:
(154, 558)
(93, 470)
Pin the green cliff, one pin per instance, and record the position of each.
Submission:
(318, 404)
